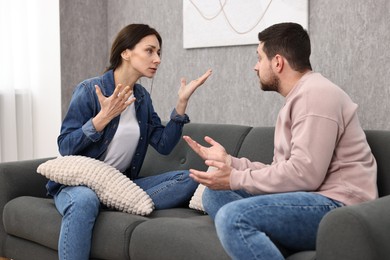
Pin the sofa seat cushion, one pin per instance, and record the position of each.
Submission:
(176, 213)
(304, 255)
(170, 238)
(37, 220)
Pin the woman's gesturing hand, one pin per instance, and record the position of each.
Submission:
(186, 90)
(112, 106)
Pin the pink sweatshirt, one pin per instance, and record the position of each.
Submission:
(319, 146)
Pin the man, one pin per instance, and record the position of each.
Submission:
(321, 158)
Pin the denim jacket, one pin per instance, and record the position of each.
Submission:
(79, 137)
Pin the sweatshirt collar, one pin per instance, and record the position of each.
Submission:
(299, 83)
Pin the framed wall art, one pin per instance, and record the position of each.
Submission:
(211, 23)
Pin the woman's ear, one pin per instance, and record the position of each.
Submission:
(126, 54)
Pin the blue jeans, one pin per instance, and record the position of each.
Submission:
(248, 225)
(169, 190)
(79, 207)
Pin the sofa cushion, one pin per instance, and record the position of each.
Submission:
(196, 200)
(22, 249)
(304, 255)
(376, 139)
(113, 188)
(176, 238)
(34, 219)
(357, 232)
(175, 212)
(112, 231)
(258, 145)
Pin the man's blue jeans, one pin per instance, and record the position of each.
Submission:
(248, 225)
(79, 206)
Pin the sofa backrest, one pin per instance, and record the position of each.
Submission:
(258, 145)
(379, 142)
(183, 158)
(254, 143)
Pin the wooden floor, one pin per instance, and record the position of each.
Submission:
(3, 258)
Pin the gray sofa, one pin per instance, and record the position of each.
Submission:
(30, 222)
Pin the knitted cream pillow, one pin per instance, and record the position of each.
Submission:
(196, 200)
(114, 189)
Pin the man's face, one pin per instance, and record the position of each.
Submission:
(269, 81)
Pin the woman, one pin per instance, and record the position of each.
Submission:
(111, 118)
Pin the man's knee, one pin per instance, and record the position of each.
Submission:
(227, 221)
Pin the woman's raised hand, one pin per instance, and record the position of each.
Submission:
(186, 90)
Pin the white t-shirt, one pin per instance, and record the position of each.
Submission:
(122, 147)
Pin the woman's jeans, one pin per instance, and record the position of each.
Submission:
(79, 206)
(248, 225)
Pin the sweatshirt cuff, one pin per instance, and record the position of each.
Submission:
(234, 162)
(234, 177)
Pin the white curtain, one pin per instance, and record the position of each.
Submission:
(21, 30)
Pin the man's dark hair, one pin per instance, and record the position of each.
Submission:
(291, 41)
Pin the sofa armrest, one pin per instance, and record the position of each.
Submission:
(20, 178)
(356, 232)
(17, 179)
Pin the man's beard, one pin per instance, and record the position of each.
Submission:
(273, 84)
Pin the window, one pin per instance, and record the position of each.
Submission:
(30, 82)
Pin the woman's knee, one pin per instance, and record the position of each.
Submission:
(87, 197)
(185, 184)
(80, 199)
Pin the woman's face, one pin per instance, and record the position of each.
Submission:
(145, 57)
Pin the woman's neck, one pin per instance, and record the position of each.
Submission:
(124, 77)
